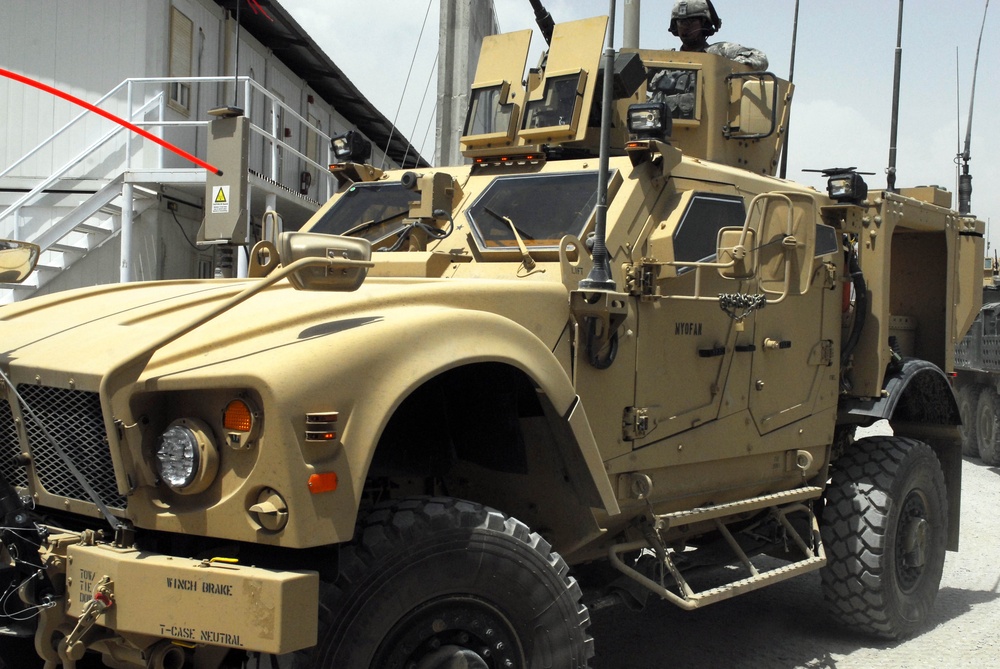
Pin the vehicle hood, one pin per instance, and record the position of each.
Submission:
(87, 332)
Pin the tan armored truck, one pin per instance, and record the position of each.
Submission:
(465, 404)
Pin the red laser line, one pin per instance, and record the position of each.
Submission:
(111, 117)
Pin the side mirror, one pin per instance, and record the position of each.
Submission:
(787, 241)
(754, 98)
(353, 253)
(17, 260)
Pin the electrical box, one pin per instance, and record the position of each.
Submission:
(226, 216)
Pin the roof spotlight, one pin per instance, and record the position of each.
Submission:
(351, 147)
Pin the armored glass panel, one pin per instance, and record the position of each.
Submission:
(373, 211)
(543, 207)
(696, 237)
(486, 115)
(557, 107)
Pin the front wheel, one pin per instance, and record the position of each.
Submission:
(885, 530)
(437, 582)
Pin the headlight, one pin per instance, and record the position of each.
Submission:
(187, 459)
(650, 120)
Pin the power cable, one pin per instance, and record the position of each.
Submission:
(406, 84)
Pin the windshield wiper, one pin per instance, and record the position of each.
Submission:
(371, 224)
(526, 259)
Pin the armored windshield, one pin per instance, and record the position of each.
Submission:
(370, 210)
(542, 207)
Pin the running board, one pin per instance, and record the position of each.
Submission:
(780, 504)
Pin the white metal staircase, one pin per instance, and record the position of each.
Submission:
(77, 209)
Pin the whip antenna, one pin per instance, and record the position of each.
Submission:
(965, 179)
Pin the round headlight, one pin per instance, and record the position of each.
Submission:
(187, 459)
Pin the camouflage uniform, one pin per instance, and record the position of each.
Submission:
(755, 58)
(677, 87)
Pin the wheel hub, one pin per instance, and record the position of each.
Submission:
(451, 633)
(913, 540)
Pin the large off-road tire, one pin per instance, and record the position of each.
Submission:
(968, 396)
(885, 528)
(988, 426)
(439, 583)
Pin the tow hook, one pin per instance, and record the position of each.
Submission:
(71, 648)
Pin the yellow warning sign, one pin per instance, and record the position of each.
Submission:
(220, 199)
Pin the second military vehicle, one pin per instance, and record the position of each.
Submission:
(456, 397)
(977, 375)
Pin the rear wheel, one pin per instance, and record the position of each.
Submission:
(968, 396)
(885, 531)
(437, 583)
(988, 426)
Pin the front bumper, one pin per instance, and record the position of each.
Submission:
(194, 602)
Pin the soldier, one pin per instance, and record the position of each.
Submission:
(694, 21)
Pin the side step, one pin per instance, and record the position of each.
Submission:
(780, 505)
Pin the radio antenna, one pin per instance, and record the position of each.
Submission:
(890, 171)
(965, 179)
(791, 79)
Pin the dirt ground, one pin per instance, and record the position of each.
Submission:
(785, 626)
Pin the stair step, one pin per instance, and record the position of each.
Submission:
(62, 247)
(781, 504)
(751, 504)
(730, 590)
(89, 228)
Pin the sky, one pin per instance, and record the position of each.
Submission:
(842, 106)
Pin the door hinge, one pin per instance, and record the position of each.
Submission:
(821, 354)
(636, 423)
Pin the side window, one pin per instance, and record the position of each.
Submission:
(181, 47)
(697, 235)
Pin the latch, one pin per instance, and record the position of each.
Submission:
(641, 278)
(636, 423)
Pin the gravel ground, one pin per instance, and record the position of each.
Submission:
(785, 626)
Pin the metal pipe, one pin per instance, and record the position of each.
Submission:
(125, 275)
(631, 24)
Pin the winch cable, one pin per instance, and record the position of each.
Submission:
(70, 465)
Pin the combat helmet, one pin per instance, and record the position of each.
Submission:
(686, 9)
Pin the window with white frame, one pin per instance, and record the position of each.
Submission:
(181, 48)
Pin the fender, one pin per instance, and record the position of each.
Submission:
(914, 376)
(448, 340)
(918, 402)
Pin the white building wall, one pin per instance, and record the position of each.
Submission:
(82, 48)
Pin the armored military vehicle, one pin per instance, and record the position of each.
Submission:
(465, 404)
(977, 375)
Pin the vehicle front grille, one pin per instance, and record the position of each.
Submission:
(74, 420)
